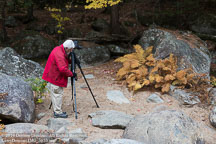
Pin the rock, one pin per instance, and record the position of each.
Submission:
(100, 25)
(11, 22)
(72, 32)
(89, 76)
(14, 65)
(122, 141)
(110, 119)
(184, 97)
(28, 132)
(117, 97)
(164, 127)
(160, 108)
(31, 44)
(212, 96)
(118, 51)
(205, 24)
(26, 128)
(1, 140)
(99, 141)
(57, 123)
(93, 55)
(164, 43)
(154, 98)
(40, 116)
(77, 134)
(212, 117)
(18, 105)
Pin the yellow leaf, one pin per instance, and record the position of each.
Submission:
(180, 74)
(166, 87)
(158, 78)
(131, 78)
(148, 51)
(137, 86)
(169, 77)
(132, 84)
(146, 82)
(121, 73)
(151, 78)
(126, 65)
(121, 59)
(135, 64)
(157, 85)
(176, 82)
(131, 56)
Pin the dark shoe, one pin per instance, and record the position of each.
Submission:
(61, 115)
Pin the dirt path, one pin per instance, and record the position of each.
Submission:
(103, 82)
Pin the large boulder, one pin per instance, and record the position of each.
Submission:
(31, 44)
(93, 54)
(165, 127)
(205, 26)
(27, 133)
(189, 54)
(13, 64)
(18, 102)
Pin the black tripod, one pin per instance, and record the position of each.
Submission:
(74, 62)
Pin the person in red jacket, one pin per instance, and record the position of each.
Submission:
(56, 73)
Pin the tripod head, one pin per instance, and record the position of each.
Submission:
(77, 46)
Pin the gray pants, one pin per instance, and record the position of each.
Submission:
(56, 96)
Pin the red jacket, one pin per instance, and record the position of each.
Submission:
(56, 70)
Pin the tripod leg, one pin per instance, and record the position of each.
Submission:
(75, 99)
(50, 105)
(88, 85)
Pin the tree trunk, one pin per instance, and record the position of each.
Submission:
(2, 18)
(29, 15)
(114, 20)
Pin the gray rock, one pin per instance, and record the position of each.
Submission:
(18, 105)
(122, 141)
(28, 132)
(11, 22)
(184, 97)
(1, 140)
(154, 98)
(99, 141)
(116, 50)
(40, 116)
(27, 128)
(100, 25)
(77, 134)
(31, 44)
(117, 96)
(13, 64)
(212, 117)
(110, 119)
(205, 24)
(160, 108)
(165, 127)
(57, 123)
(165, 43)
(93, 55)
(212, 96)
(89, 76)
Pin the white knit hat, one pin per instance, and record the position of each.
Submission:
(68, 44)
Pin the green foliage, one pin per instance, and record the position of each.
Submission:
(38, 85)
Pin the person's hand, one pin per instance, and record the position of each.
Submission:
(75, 76)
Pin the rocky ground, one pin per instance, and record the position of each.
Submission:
(103, 81)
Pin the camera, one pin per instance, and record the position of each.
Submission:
(77, 46)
